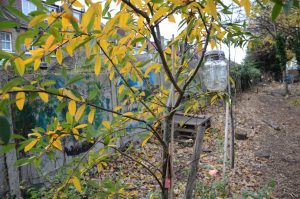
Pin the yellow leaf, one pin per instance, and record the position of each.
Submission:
(76, 133)
(65, 22)
(99, 167)
(247, 6)
(138, 3)
(37, 19)
(20, 100)
(81, 126)
(143, 47)
(30, 145)
(87, 16)
(121, 88)
(111, 75)
(76, 183)
(60, 98)
(211, 8)
(123, 19)
(147, 139)
(171, 18)
(70, 47)
(140, 22)
(177, 2)
(79, 112)
(98, 16)
(77, 4)
(20, 65)
(72, 107)
(59, 56)
(152, 67)
(161, 12)
(104, 44)
(106, 124)
(87, 50)
(28, 42)
(97, 67)
(50, 19)
(38, 135)
(168, 51)
(36, 65)
(213, 99)
(49, 43)
(221, 34)
(128, 114)
(70, 95)
(44, 96)
(91, 115)
(117, 108)
(212, 44)
(57, 144)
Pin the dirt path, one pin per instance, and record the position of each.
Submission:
(272, 150)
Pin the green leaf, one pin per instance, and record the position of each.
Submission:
(17, 12)
(6, 148)
(74, 79)
(39, 5)
(8, 24)
(106, 7)
(92, 94)
(48, 83)
(12, 83)
(157, 1)
(21, 39)
(276, 11)
(106, 140)
(4, 54)
(4, 129)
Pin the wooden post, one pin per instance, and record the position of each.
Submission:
(226, 138)
(194, 162)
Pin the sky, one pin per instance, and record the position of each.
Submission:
(237, 54)
(168, 29)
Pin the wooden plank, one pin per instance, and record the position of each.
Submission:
(190, 186)
(179, 119)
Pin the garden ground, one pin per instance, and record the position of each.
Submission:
(269, 152)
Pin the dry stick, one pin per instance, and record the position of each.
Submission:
(172, 125)
(232, 154)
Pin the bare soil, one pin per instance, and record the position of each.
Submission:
(272, 152)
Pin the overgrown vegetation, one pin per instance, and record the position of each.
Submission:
(246, 75)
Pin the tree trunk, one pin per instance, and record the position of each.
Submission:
(194, 163)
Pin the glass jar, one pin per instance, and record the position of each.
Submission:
(214, 72)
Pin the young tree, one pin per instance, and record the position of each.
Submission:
(199, 24)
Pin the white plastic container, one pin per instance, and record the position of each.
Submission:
(214, 71)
